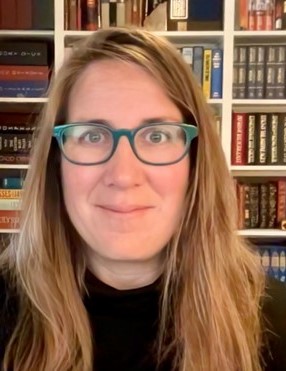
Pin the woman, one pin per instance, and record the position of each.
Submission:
(128, 257)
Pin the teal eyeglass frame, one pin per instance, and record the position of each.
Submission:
(191, 132)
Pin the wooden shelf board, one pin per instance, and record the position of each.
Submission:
(263, 233)
(6, 166)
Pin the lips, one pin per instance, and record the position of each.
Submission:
(124, 209)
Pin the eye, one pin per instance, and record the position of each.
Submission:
(94, 136)
(157, 136)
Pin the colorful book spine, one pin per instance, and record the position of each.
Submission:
(207, 72)
(216, 73)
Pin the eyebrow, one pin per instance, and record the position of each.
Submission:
(151, 120)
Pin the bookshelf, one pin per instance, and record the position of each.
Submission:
(227, 39)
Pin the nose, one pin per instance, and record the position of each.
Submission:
(124, 169)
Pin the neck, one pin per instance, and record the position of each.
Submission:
(125, 275)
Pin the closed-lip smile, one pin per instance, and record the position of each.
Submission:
(124, 209)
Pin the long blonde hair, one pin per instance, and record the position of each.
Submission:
(212, 282)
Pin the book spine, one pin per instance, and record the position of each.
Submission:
(280, 73)
(260, 73)
(278, 14)
(24, 72)
(216, 73)
(12, 183)
(10, 204)
(9, 219)
(254, 205)
(43, 14)
(282, 139)
(91, 6)
(105, 13)
(264, 205)
(265, 259)
(15, 159)
(274, 262)
(24, 14)
(272, 205)
(25, 53)
(282, 265)
(269, 17)
(272, 156)
(112, 13)
(207, 72)
(260, 15)
(8, 14)
(284, 16)
(251, 138)
(120, 13)
(235, 73)
(270, 72)
(281, 200)
(11, 193)
(262, 139)
(247, 222)
(17, 129)
(15, 143)
(177, 15)
(28, 88)
(243, 16)
(72, 14)
(239, 138)
(66, 14)
(242, 72)
(198, 63)
(251, 15)
(240, 203)
(251, 72)
(188, 55)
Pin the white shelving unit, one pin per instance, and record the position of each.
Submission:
(226, 38)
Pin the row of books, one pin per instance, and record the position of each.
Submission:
(24, 69)
(273, 260)
(16, 137)
(26, 14)
(207, 65)
(261, 205)
(261, 15)
(258, 138)
(164, 15)
(10, 206)
(259, 72)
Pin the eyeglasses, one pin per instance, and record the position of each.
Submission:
(161, 143)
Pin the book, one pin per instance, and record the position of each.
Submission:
(12, 183)
(9, 219)
(216, 73)
(24, 14)
(29, 53)
(23, 88)
(43, 14)
(15, 159)
(11, 193)
(239, 139)
(207, 72)
(9, 72)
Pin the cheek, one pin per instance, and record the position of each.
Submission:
(76, 180)
(172, 181)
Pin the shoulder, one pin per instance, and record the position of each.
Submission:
(274, 319)
(8, 314)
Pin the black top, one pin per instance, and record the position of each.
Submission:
(124, 324)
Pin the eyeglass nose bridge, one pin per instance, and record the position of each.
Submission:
(129, 134)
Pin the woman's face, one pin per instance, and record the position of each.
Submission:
(124, 209)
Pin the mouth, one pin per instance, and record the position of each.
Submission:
(127, 209)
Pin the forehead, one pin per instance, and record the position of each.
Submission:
(119, 92)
